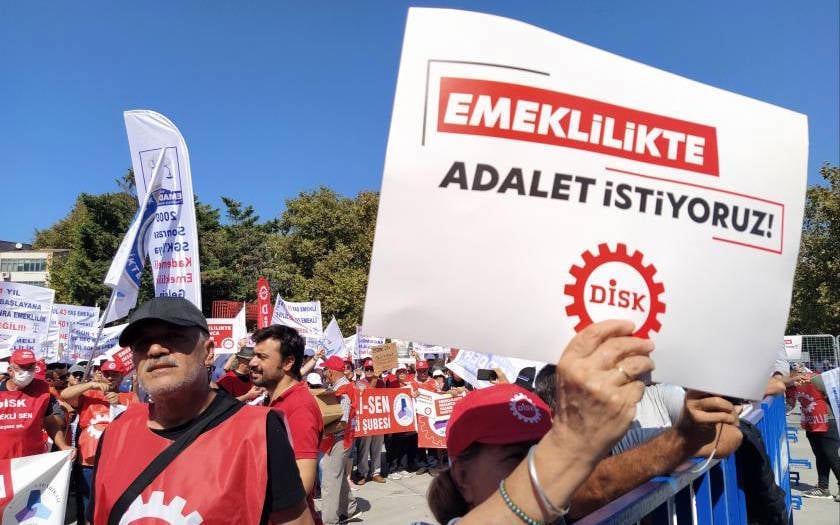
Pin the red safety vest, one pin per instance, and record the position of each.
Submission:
(814, 407)
(224, 464)
(22, 420)
(94, 419)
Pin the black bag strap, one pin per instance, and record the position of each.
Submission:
(225, 408)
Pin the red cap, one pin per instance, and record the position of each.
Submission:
(497, 415)
(23, 357)
(110, 366)
(334, 363)
(40, 370)
(368, 362)
(422, 365)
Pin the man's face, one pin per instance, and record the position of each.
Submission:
(348, 371)
(58, 379)
(98, 377)
(331, 376)
(422, 374)
(369, 372)
(75, 378)
(169, 358)
(113, 379)
(266, 366)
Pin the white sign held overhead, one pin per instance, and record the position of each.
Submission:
(25, 313)
(571, 185)
(173, 235)
(333, 341)
(793, 347)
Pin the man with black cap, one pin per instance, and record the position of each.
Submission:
(237, 382)
(148, 457)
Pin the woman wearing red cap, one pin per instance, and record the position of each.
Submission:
(511, 462)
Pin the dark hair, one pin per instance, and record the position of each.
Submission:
(444, 497)
(545, 385)
(291, 344)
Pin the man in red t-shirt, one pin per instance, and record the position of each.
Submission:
(275, 366)
(237, 382)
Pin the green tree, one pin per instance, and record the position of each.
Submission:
(815, 305)
(322, 251)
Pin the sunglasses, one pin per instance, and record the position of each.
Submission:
(78, 375)
(369, 369)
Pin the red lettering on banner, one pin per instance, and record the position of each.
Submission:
(513, 111)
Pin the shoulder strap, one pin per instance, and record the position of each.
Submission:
(227, 407)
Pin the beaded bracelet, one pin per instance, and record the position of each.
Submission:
(514, 508)
(542, 499)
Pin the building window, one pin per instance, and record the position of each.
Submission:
(23, 265)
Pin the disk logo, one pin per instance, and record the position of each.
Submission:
(615, 285)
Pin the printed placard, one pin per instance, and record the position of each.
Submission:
(433, 411)
(384, 357)
(25, 313)
(571, 185)
(793, 347)
(384, 411)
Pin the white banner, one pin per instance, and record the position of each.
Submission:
(467, 364)
(126, 268)
(831, 379)
(570, 185)
(63, 315)
(83, 337)
(793, 347)
(305, 317)
(173, 235)
(364, 342)
(34, 489)
(25, 312)
(333, 341)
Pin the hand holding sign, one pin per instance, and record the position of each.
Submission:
(596, 387)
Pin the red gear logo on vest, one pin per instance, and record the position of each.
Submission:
(615, 285)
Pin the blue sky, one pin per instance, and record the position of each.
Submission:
(275, 98)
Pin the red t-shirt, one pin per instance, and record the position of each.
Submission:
(234, 384)
(429, 384)
(300, 412)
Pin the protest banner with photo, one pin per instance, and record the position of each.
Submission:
(571, 185)
(364, 342)
(225, 332)
(263, 303)
(172, 233)
(384, 357)
(433, 411)
(467, 364)
(25, 312)
(831, 379)
(34, 489)
(793, 347)
(63, 315)
(82, 340)
(384, 411)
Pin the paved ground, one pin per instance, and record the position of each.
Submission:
(814, 511)
(394, 502)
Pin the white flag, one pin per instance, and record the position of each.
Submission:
(333, 340)
(127, 267)
(33, 489)
(82, 339)
(157, 145)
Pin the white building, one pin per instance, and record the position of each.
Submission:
(19, 263)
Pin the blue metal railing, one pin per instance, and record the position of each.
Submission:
(708, 496)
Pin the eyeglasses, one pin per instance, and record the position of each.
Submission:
(78, 375)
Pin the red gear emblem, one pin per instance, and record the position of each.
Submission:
(605, 255)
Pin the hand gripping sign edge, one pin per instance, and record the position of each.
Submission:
(605, 255)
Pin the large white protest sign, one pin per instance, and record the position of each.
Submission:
(570, 185)
(793, 347)
(34, 489)
(63, 315)
(467, 364)
(82, 338)
(173, 235)
(25, 312)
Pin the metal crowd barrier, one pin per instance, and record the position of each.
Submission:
(709, 496)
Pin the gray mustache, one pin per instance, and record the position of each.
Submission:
(159, 363)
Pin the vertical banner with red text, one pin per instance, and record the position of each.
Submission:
(263, 303)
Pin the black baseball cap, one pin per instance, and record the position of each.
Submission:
(175, 310)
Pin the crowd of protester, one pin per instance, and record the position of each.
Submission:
(552, 445)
